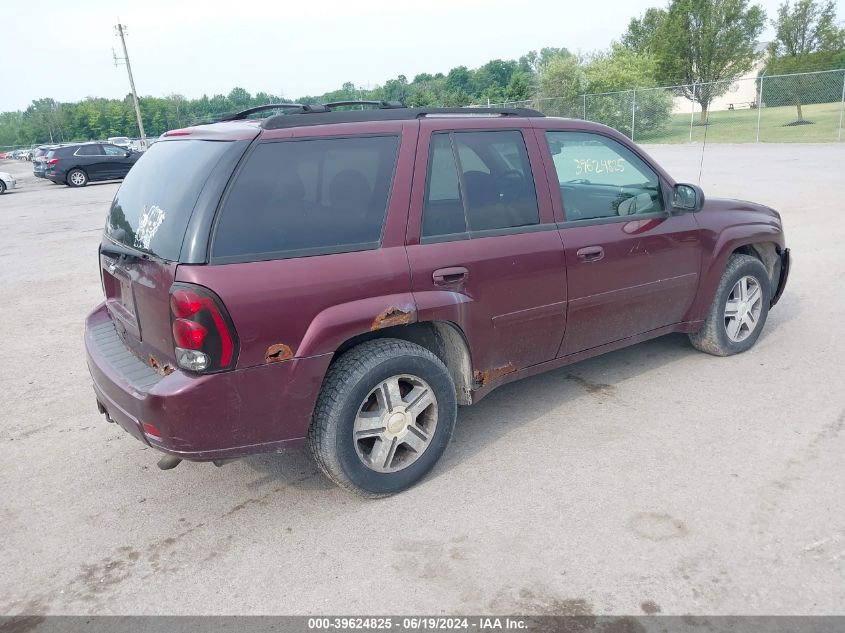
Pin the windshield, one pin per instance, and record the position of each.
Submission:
(152, 208)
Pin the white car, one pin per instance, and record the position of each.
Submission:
(6, 182)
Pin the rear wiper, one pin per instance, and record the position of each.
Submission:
(122, 252)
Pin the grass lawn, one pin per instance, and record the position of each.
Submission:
(740, 126)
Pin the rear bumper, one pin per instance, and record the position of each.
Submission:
(785, 263)
(202, 417)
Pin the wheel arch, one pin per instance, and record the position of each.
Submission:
(761, 240)
(444, 339)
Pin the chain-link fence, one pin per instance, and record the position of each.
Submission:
(802, 107)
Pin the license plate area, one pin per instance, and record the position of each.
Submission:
(120, 299)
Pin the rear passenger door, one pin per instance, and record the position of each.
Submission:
(633, 263)
(483, 247)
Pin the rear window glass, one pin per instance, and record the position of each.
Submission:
(308, 197)
(153, 205)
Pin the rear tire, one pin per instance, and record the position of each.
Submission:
(383, 418)
(77, 178)
(2, 187)
(739, 310)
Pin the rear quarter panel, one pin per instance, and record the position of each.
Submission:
(308, 306)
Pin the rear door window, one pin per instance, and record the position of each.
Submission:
(153, 205)
(307, 197)
(89, 150)
(478, 181)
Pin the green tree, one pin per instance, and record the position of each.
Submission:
(804, 31)
(562, 82)
(705, 45)
(611, 77)
(640, 36)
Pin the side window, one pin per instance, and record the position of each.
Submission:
(89, 150)
(444, 210)
(601, 178)
(112, 150)
(484, 175)
(307, 197)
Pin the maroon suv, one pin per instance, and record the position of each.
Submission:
(347, 277)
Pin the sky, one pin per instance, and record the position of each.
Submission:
(195, 47)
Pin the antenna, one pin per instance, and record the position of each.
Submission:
(703, 147)
(121, 30)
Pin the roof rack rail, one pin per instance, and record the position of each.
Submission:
(382, 105)
(394, 113)
(299, 107)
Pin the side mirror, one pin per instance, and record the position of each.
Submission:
(687, 197)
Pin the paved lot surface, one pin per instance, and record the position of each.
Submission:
(653, 477)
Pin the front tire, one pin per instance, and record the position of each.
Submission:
(739, 310)
(383, 418)
(77, 178)
(2, 187)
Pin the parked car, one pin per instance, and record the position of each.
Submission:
(7, 181)
(77, 165)
(120, 141)
(39, 160)
(344, 279)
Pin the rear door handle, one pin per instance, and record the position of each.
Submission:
(449, 276)
(590, 253)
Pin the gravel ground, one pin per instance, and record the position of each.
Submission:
(655, 477)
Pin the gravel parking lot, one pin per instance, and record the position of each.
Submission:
(655, 478)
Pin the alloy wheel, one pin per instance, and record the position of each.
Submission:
(395, 424)
(743, 308)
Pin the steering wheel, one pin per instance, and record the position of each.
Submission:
(510, 185)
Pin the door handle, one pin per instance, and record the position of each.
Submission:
(449, 276)
(590, 253)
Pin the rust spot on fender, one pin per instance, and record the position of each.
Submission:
(392, 316)
(164, 370)
(485, 377)
(278, 352)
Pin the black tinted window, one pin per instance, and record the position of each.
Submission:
(601, 178)
(485, 175)
(89, 150)
(153, 205)
(444, 209)
(296, 198)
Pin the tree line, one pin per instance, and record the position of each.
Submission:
(701, 43)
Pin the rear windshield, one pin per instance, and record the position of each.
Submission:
(153, 205)
(308, 197)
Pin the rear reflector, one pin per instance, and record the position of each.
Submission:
(149, 429)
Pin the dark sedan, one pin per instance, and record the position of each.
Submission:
(77, 165)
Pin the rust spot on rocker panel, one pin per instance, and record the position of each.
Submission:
(164, 370)
(392, 316)
(278, 352)
(485, 377)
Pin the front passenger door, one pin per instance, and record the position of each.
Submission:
(117, 162)
(632, 265)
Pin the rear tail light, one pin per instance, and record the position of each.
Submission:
(52, 161)
(204, 337)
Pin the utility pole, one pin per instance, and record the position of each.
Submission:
(121, 31)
